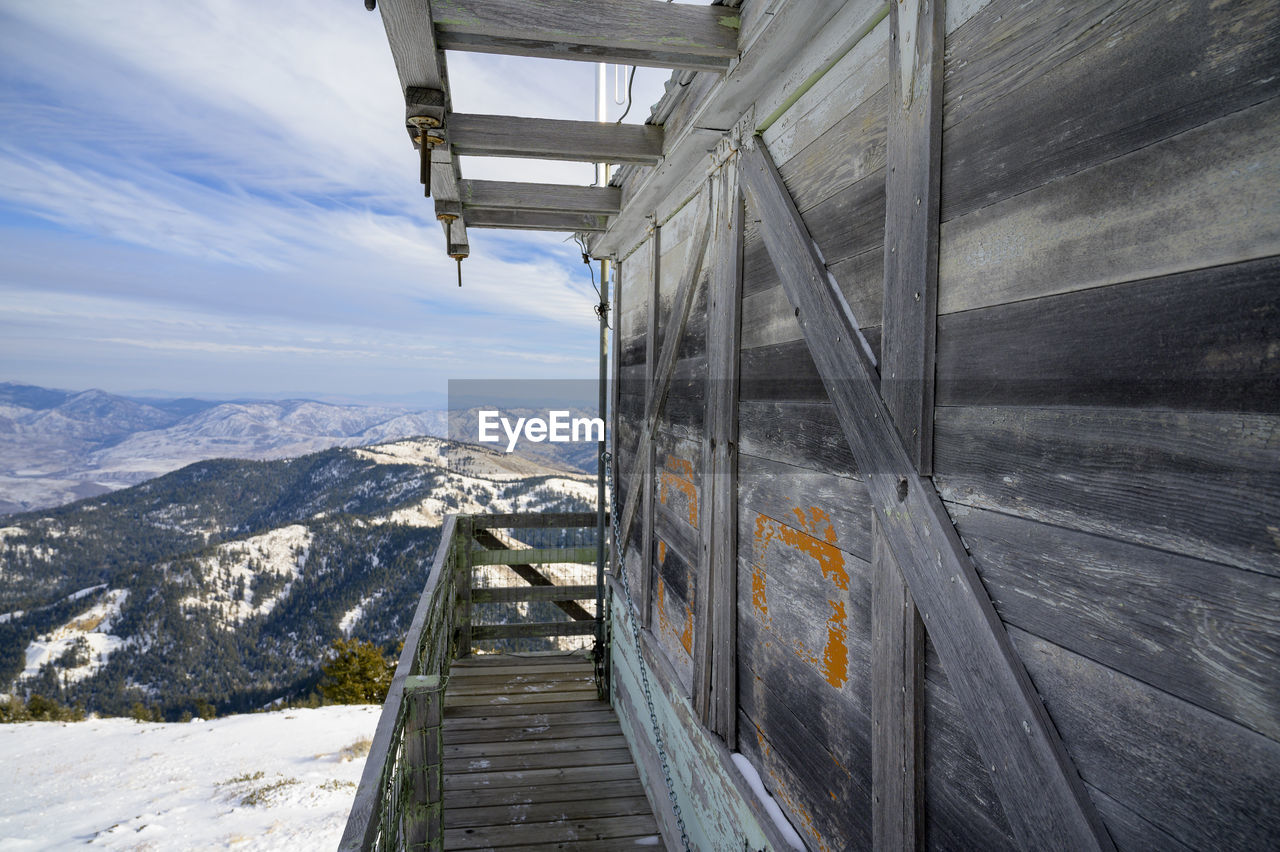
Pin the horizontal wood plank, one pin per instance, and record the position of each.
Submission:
(532, 220)
(553, 139)
(631, 32)
(550, 197)
(533, 593)
(482, 632)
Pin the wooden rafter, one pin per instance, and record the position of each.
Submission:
(561, 198)
(1043, 796)
(533, 220)
(421, 69)
(554, 139)
(632, 32)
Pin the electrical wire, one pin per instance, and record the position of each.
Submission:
(631, 78)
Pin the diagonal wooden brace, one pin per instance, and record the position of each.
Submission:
(1045, 800)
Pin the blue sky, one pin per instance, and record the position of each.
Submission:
(217, 197)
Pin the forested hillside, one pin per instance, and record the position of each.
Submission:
(221, 585)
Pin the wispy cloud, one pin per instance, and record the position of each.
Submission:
(218, 191)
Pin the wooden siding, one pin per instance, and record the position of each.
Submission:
(1105, 424)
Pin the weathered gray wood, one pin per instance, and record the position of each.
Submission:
(530, 574)
(524, 779)
(1204, 632)
(420, 68)
(787, 494)
(541, 760)
(1036, 778)
(474, 710)
(1208, 782)
(532, 555)
(673, 331)
(553, 139)
(1032, 97)
(612, 740)
(535, 732)
(897, 711)
(424, 811)
(646, 461)
(630, 32)
(913, 158)
(715, 666)
(480, 632)
(556, 197)
(1198, 199)
(964, 810)
(1197, 340)
(551, 790)
(532, 220)
(362, 825)
(523, 836)
(1200, 484)
(515, 815)
(463, 582)
(533, 593)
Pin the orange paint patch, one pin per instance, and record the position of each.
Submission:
(833, 660)
(835, 654)
(662, 551)
(678, 477)
(683, 634)
(757, 594)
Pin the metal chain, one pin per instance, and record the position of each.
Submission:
(632, 613)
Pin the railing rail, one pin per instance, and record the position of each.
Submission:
(398, 805)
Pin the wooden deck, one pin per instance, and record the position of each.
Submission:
(532, 759)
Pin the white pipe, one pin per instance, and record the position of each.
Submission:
(602, 114)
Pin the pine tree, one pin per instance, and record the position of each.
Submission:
(356, 673)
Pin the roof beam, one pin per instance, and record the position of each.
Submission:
(534, 220)
(424, 82)
(563, 198)
(554, 139)
(630, 32)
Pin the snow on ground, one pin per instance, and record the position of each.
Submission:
(267, 781)
(230, 573)
(92, 629)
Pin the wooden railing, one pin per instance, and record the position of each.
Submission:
(399, 803)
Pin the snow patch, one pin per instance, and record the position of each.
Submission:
(82, 646)
(228, 578)
(770, 804)
(353, 615)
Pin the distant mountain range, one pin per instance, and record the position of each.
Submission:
(57, 446)
(223, 583)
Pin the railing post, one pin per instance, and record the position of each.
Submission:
(424, 766)
(466, 541)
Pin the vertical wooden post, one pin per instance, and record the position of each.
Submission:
(897, 681)
(424, 763)
(646, 465)
(466, 542)
(912, 177)
(715, 653)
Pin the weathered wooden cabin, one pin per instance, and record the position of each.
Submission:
(946, 365)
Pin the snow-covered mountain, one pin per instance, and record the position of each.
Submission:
(58, 446)
(224, 583)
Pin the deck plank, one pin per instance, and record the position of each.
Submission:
(532, 759)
